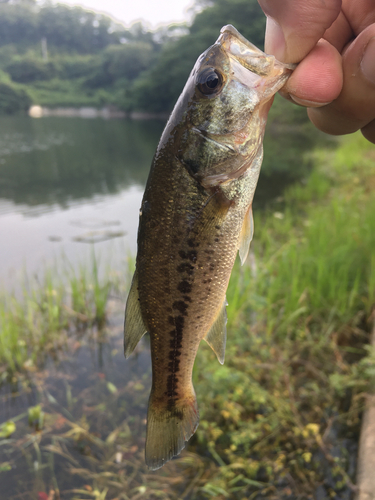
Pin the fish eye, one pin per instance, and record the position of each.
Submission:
(210, 81)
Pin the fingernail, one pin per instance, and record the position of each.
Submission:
(368, 61)
(308, 104)
(275, 40)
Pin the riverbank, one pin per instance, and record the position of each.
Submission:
(107, 112)
(280, 419)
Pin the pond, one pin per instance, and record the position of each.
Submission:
(65, 183)
(69, 185)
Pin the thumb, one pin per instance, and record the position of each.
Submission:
(295, 26)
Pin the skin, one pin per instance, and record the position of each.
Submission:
(334, 43)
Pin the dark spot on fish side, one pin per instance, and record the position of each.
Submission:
(186, 268)
(175, 343)
(216, 239)
(174, 365)
(179, 322)
(192, 255)
(217, 227)
(171, 393)
(182, 254)
(184, 287)
(173, 354)
(192, 243)
(186, 298)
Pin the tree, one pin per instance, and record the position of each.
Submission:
(13, 100)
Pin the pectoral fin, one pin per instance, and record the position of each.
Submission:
(246, 235)
(134, 327)
(216, 337)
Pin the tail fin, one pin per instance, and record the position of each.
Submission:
(168, 428)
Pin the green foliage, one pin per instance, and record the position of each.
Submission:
(98, 62)
(13, 99)
(28, 70)
(65, 28)
(128, 60)
(246, 16)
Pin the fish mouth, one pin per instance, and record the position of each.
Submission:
(249, 56)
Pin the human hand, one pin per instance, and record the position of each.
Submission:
(334, 42)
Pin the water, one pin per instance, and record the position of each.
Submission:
(66, 182)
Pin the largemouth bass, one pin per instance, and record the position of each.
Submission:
(195, 215)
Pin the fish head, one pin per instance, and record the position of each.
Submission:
(224, 108)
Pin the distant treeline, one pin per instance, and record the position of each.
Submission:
(56, 55)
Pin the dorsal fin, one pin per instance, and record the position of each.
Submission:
(134, 327)
(246, 235)
(216, 337)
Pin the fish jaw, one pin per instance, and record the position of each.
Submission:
(250, 56)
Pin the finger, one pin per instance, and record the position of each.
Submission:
(294, 27)
(369, 131)
(317, 80)
(339, 33)
(360, 13)
(354, 17)
(355, 106)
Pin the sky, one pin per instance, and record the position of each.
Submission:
(154, 12)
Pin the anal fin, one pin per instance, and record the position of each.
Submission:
(134, 327)
(246, 235)
(216, 337)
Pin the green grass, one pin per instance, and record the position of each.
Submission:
(50, 310)
(298, 361)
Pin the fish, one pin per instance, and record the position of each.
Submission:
(196, 214)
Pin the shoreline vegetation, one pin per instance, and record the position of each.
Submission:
(56, 56)
(280, 419)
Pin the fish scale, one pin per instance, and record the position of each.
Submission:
(195, 216)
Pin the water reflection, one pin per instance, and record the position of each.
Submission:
(58, 176)
(55, 160)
